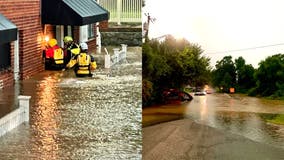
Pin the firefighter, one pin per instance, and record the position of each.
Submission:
(83, 63)
(54, 56)
(71, 49)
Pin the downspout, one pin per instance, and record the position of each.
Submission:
(16, 59)
(119, 9)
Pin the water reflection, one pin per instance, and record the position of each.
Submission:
(45, 119)
(234, 114)
(80, 118)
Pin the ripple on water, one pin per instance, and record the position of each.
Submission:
(81, 118)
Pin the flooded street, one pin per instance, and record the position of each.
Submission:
(237, 114)
(81, 118)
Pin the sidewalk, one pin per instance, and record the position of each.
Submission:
(185, 140)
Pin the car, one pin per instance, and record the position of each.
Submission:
(172, 95)
(200, 93)
(209, 91)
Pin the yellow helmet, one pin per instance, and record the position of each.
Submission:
(67, 39)
(52, 42)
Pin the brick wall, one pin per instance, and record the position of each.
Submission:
(92, 43)
(103, 25)
(7, 76)
(25, 14)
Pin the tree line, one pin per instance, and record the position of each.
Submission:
(173, 63)
(267, 80)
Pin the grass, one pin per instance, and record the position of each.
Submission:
(273, 118)
(279, 119)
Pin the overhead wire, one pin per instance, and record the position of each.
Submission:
(244, 49)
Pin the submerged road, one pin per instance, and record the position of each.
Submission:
(216, 126)
(185, 140)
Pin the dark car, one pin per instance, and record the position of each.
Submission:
(171, 95)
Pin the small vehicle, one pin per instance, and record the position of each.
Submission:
(209, 91)
(171, 95)
(200, 93)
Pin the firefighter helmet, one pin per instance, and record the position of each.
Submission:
(67, 39)
(84, 46)
(52, 42)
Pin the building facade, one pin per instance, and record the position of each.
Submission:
(39, 20)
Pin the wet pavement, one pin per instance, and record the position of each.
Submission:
(232, 115)
(186, 140)
(79, 118)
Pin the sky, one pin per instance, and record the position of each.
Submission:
(253, 29)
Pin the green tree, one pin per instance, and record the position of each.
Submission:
(224, 75)
(172, 63)
(245, 75)
(270, 76)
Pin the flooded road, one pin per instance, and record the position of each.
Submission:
(81, 118)
(238, 114)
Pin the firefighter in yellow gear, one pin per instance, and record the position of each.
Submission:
(71, 49)
(53, 55)
(83, 63)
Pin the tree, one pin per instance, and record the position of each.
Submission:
(224, 76)
(172, 63)
(244, 73)
(270, 76)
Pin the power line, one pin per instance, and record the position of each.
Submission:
(244, 49)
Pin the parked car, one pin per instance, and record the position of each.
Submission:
(171, 95)
(209, 91)
(200, 93)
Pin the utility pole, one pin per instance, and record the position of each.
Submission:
(146, 26)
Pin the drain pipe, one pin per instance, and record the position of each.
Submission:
(16, 59)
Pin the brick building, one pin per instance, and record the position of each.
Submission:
(24, 25)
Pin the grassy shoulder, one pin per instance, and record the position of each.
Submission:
(275, 118)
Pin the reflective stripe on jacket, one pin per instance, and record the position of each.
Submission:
(56, 53)
(83, 61)
(58, 56)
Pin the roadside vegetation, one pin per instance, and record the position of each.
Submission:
(176, 63)
(171, 63)
(265, 81)
(274, 118)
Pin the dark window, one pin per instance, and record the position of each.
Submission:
(91, 31)
(68, 31)
(5, 56)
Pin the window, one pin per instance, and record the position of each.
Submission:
(5, 56)
(91, 33)
(68, 31)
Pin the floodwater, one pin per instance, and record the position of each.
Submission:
(81, 118)
(238, 114)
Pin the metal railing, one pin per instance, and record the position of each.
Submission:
(123, 10)
(118, 55)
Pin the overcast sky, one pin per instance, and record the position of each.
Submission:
(222, 26)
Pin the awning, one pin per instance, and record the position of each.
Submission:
(8, 30)
(72, 12)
